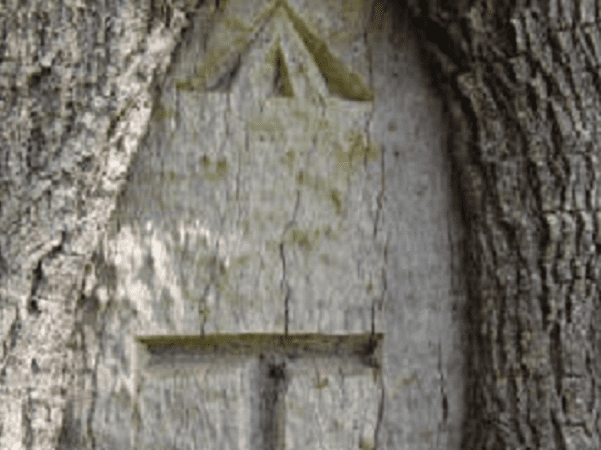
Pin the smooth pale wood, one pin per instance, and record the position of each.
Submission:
(195, 406)
(219, 391)
(252, 212)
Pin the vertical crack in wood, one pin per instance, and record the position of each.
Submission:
(381, 194)
(284, 283)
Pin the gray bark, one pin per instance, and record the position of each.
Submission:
(75, 84)
(522, 91)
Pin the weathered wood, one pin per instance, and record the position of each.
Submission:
(258, 391)
(392, 273)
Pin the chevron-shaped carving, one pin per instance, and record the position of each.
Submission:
(280, 57)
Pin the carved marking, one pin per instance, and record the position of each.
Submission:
(278, 40)
(209, 367)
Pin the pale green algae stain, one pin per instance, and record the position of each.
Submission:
(364, 444)
(273, 126)
(336, 198)
(288, 159)
(322, 187)
(221, 168)
(350, 161)
(321, 384)
(161, 113)
(306, 240)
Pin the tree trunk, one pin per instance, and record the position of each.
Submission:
(75, 90)
(522, 90)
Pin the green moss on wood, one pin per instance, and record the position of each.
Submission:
(160, 112)
(288, 159)
(220, 173)
(358, 152)
(337, 200)
(308, 241)
(321, 384)
(364, 444)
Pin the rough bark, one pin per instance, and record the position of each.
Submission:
(75, 82)
(523, 93)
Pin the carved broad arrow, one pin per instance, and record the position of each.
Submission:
(277, 54)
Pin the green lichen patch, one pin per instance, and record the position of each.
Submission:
(283, 80)
(221, 170)
(305, 179)
(330, 233)
(204, 311)
(349, 159)
(288, 159)
(240, 262)
(322, 187)
(161, 113)
(323, 125)
(322, 384)
(336, 198)
(364, 444)
(222, 167)
(270, 125)
(308, 240)
(72, 343)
